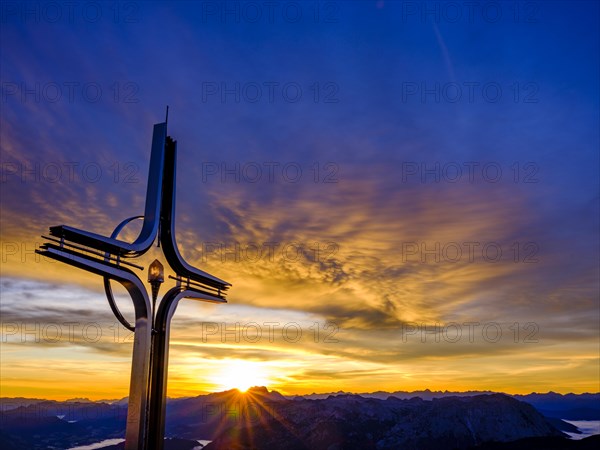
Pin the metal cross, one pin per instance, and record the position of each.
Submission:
(110, 258)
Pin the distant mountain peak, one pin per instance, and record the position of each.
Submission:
(79, 400)
(261, 389)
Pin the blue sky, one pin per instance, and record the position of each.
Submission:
(353, 109)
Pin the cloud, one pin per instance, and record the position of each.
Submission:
(366, 238)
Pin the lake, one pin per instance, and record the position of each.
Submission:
(107, 442)
(587, 428)
(97, 445)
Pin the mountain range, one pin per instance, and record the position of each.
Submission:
(263, 419)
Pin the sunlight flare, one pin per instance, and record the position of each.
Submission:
(241, 375)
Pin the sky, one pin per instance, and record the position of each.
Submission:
(404, 195)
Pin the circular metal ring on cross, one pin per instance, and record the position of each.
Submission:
(107, 286)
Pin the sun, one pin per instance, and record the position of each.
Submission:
(241, 375)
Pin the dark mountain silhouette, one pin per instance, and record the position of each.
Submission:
(425, 394)
(568, 406)
(352, 421)
(204, 416)
(52, 424)
(261, 418)
(561, 425)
